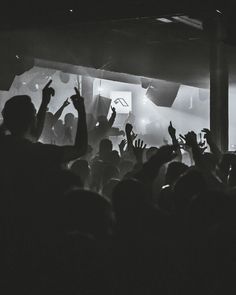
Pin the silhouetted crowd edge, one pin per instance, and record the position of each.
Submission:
(79, 217)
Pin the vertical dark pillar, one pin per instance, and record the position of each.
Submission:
(219, 83)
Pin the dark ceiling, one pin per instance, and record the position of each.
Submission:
(49, 12)
(120, 36)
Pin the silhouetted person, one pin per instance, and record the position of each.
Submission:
(26, 166)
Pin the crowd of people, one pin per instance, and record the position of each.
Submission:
(79, 217)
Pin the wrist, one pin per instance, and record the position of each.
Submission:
(44, 104)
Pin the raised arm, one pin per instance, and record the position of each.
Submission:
(191, 141)
(138, 150)
(58, 113)
(151, 168)
(80, 146)
(130, 136)
(172, 133)
(113, 117)
(47, 93)
(213, 147)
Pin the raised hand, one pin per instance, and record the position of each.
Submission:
(122, 144)
(207, 134)
(182, 143)
(66, 103)
(138, 149)
(113, 109)
(48, 92)
(128, 128)
(77, 100)
(190, 139)
(166, 153)
(139, 145)
(171, 130)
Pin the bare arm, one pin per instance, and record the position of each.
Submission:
(130, 136)
(172, 133)
(113, 117)
(81, 139)
(47, 93)
(58, 113)
(214, 148)
(151, 168)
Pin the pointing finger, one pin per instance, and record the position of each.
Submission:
(76, 90)
(48, 84)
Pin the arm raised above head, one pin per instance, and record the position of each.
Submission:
(81, 139)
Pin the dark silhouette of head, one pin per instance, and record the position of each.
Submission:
(129, 199)
(151, 152)
(125, 166)
(103, 122)
(187, 186)
(82, 169)
(87, 212)
(208, 208)
(105, 147)
(69, 120)
(109, 171)
(174, 170)
(109, 187)
(114, 158)
(49, 118)
(19, 115)
(165, 199)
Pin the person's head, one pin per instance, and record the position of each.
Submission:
(69, 120)
(64, 180)
(109, 171)
(103, 122)
(82, 169)
(174, 170)
(105, 147)
(151, 152)
(165, 199)
(19, 115)
(58, 127)
(87, 212)
(49, 118)
(209, 208)
(125, 166)
(187, 186)
(129, 198)
(114, 158)
(108, 188)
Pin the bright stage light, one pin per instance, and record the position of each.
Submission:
(37, 86)
(164, 20)
(145, 121)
